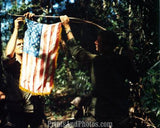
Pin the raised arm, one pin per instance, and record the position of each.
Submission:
(65, 21)
(79, 53)
(10, 49)
(11, 46)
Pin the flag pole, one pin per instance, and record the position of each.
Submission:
(72, 18)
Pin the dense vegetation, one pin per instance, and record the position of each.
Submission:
(135, 22)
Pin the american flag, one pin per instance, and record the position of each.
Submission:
(40, 52)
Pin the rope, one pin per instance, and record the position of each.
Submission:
(71, 18)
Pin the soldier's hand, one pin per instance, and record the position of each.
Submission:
(18, 22)
(29, 15)
(65, 20)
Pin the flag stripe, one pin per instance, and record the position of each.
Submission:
(43, 47)
(32, 69)
(53, 57)
(50, 60)
(55, 60)
(36, 80)
(45, 51)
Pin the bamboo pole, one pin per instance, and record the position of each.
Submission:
(71, 18)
